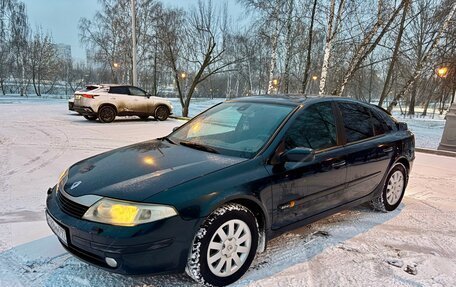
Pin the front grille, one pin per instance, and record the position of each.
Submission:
(70, 207)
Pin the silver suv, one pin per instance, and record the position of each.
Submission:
(107, 101)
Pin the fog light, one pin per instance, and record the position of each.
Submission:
(111, 262)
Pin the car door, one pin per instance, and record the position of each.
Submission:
(119, 96)
(138, 102)
(369, 149)
(303, 189)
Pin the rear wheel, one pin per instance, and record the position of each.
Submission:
(393, 191)
(224, 247)
(90, 118)
(161, 113)
(107, 114)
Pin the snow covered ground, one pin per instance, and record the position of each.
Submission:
(357, 247)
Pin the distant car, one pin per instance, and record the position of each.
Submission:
(208, 197)
(107, 101)
(71, 104)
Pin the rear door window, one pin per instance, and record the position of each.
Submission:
(357, 122)
(380, 126)
(119, 90)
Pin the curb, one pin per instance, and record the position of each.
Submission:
(180, 118)
(436, 152)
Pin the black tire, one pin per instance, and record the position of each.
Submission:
(91, 118)
(381, 202)
(197, 263)
(161, 113)
(107, 114)
(144, 118)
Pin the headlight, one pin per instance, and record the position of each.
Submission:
(62, 179)
(124, 213)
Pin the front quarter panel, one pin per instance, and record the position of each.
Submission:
(197, 198)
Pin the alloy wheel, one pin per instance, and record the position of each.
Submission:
(395, 187)
(229, 248)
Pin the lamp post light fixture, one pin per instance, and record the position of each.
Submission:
(448, 141)
(183, 75)
(442, 72)
(314, 77)
(116, 65)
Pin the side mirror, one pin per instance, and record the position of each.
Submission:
(298, 154)
(402, 126)
(148, 95)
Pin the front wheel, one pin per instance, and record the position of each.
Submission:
(224, 247)
(393, 191)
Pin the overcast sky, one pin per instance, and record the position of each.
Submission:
(61, 18)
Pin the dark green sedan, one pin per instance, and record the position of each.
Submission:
(208, 197)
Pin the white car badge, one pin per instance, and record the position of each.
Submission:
(75, 184)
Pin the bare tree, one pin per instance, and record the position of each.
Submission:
(369, 42)
(395, 54)
(196, 42)
(331, 32)
(309, 49)
(43, 63)
(428, 54)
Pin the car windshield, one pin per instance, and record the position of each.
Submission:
(232, 128)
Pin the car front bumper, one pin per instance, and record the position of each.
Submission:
(157, 247)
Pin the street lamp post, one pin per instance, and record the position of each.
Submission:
(133, 39)
(448, 141)
(314, 82)
(116, 72)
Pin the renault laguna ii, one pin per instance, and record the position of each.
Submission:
(208, 197)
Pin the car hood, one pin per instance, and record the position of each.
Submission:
(139, 171)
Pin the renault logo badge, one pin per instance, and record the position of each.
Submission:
(75, 184)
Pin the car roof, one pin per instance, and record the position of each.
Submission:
(112, 85)
(290, 99)
(299, 99)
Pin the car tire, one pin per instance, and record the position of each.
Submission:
(107, 114)
(161, 113)
(228, 237)
(393, 190)
(144, 118)
(91, 118)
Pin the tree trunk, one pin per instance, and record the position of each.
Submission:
(274, 44)
(328, 49)
(309, 50)
(411, 110)
(397, 45)
(288, 44)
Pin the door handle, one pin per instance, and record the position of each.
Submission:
(338, 164)
(388, 149)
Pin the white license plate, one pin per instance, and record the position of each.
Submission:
(57, 229)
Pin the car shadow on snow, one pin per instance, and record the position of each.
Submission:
(44, 262)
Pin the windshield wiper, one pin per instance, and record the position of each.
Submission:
(167, 139)
(198, 146)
